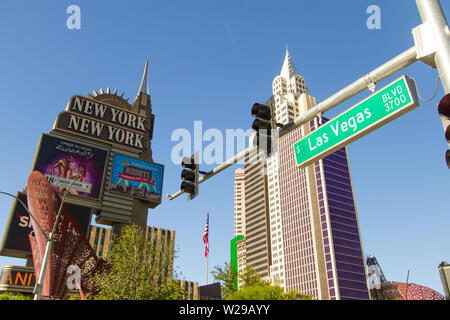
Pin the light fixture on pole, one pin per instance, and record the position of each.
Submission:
(29, 213)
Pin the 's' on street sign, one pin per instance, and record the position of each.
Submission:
(381, 107)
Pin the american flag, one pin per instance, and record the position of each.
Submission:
(205, 236)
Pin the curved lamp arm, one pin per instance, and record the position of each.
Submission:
(30, 214)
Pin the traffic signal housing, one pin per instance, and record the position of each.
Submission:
(263, 125)
(444, 112)
(189, 176)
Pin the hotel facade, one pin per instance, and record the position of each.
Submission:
(311, 224)
(239, 202)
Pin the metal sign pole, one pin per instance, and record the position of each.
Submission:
(368, 81)
(431, 13)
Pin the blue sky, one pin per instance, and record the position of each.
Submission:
(210, 61)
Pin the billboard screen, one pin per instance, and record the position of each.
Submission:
(59, 160)
(137, 178)
(15, 241)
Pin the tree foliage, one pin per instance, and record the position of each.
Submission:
(262, 292)
(14, 296)
(251, 278)
(138, 270)
(227, 278)
(253, 288)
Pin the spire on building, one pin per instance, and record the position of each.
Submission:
(144, 82)
(143, 88)
(288, 69)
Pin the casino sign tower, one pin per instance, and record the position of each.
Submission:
(122, 182)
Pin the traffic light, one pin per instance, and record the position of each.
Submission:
(263, 125)
(189, 176)
(444, 112)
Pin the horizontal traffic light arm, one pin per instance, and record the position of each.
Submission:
(228, 163)
(389, 68)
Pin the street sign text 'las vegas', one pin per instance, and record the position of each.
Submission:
(383, 106)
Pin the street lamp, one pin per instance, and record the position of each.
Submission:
(29, 213)
(38, 288)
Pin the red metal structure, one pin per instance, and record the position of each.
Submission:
(69, 247)
(418, 292)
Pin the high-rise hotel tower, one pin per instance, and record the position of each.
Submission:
(314, 232)
(287, 88)
(239, 202)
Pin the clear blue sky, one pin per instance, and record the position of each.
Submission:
(210, 61)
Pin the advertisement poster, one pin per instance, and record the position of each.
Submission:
(15, 241)
(60, 160)
(137, 178)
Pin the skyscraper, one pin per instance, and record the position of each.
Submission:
(239, 202)
(263, 238)
(239, 219)
(287, 88)
(315, 240)
(257, 239)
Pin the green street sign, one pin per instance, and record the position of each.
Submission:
(383, 106)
